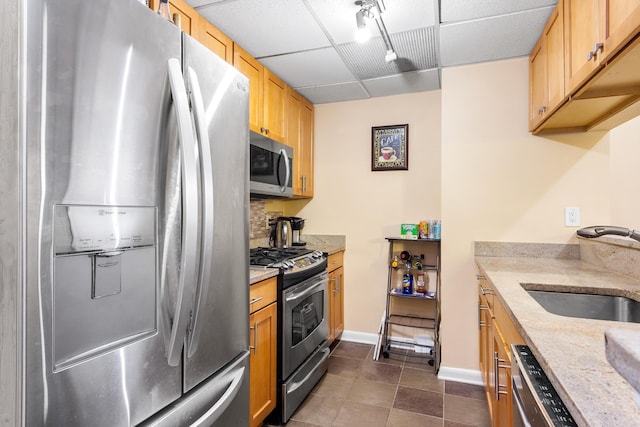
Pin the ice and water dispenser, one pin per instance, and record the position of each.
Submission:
(104, 290)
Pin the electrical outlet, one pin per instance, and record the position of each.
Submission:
(572, 217)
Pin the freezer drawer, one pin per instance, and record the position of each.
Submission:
(220, 401)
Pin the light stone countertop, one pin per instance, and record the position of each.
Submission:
(258, 274)
(570, 350)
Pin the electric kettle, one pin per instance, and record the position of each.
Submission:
(281, 233)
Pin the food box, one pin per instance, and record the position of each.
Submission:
(409, 231)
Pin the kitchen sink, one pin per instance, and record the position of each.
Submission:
(589, 306)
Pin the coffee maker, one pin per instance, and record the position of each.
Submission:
(297, 224)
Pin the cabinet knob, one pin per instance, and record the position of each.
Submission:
(594, 52)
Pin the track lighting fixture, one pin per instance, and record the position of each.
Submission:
(370, 11)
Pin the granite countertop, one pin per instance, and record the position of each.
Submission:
(570, 350)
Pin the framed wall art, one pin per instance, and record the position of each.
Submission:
(390, 147)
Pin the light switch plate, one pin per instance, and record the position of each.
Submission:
(572, 217)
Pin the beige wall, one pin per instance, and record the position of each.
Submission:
(368, 206)
(474, 164)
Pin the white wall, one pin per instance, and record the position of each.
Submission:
(368, 206)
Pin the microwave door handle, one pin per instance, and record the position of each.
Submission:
(287, 169)
(188, 256)
(206, 172)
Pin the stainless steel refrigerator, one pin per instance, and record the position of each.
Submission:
(125, 285)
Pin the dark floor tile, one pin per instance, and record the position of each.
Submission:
(372, 393)
(381, 372)
(359, 414)
(421, 379)
(352, 350)
(466, 411)
(421, 401)
(344, 366)
(465, 390)
(448, 423)
(318, 410)
(401, 418)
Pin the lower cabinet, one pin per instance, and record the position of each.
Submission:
(497, 333)
(263, 331)
(336, 296)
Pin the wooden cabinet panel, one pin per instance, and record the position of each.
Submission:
(188, 16)
(582, 32)
(267, 96)
(622, 18)
(262, 377)
(336, 304)
(300, 137)
(275, 106)
(251, 68)
(216, 41)
(262, 294)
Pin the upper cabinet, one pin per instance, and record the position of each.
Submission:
(300, 138)
(601, 59)
(215, 40)
(546, 69)
(267, 94)
(192, 23)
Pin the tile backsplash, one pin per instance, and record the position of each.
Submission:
(258, 216)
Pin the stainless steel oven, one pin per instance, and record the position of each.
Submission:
(535, 401)
(303, 329)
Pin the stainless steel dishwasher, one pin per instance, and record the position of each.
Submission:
(535, 402)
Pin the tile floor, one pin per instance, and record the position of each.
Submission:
(395, 392)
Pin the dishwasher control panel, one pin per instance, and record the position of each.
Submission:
(533, 387)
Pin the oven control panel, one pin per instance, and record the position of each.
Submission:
(541, 388)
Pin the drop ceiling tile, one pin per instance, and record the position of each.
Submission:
(464, 10)
(417, 81)
(310, 68)
(338, 17)
(333, 93)
(506, 36)
(267, 27)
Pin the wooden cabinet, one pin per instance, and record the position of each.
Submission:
(267, 96)
(215, 40)
(497, 333)
(300, 123)
(601, 59)
(336, 295)
(194, 24)
(546, 69)
(263, 332)
(189, 18)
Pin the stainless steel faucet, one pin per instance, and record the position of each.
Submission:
(601, 230)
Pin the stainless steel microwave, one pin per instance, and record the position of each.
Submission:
(270, 167)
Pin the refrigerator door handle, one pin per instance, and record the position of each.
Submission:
(204, 148)
(223, 403)
(188, 257)
(287, 169)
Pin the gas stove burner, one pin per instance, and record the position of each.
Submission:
(287, 259)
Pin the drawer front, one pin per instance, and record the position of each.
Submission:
(485, 290)
(335, 261)
(262, 294)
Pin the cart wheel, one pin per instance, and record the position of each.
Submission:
(430, 362)
(431, 352)
(385, 354)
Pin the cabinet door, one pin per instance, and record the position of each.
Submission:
(294, 118)
(262, 341)
(305, 148)
(485, 344)
(537, 84)
(254, 71)
(275, 106)
(502, 390)
(622, 24)
(216, 41)
(336, 303)
(582, 35)
(188, 15)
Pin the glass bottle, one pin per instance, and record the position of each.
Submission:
(407, 281)
(163, 10)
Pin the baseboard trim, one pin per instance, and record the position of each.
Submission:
(468, 376)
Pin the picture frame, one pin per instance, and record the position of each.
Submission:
(390, 147)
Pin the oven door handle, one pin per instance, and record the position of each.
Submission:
(306, 291)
